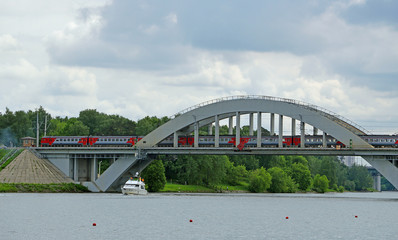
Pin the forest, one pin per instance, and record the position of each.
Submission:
(254, 173)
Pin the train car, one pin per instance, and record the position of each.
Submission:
(89, 141)
(380, 141)
(209, 141)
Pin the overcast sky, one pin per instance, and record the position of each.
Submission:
(140, 58)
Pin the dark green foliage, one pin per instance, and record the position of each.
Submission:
(250, 162)
(281, 182)
(301, 175)
(259, 181)
(329, 169)
(361, 177)
(234, 174)
(103, 124)
(148, 124)
(349, 185)
(386, 185)
(321, 183)
(271, 161)
(197, 170)
(154, 176)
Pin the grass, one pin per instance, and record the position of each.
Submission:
(3, 152)
(43, 188)
(10, 159)
(172, 187)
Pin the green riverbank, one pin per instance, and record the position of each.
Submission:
(43, 188)
(171, 187)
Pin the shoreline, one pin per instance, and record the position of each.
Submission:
(42, 188)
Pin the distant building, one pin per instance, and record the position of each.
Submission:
(28, 142)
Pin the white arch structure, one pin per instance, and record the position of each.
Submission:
(213, 111)
(191, 119)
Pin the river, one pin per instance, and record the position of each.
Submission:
(214, 216)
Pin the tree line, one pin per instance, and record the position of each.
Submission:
(258, 173)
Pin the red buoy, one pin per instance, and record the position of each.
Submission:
(190, 220)
(356, 216)
(287, 217)
(94, 224)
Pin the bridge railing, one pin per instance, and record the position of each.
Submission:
(325, 112)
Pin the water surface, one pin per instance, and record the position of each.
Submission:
(214, 216)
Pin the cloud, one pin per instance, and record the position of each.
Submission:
(166, 37)
(138, 58)
(8, 43)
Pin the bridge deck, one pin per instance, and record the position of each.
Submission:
(226, 151)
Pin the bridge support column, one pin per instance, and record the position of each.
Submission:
(315, 131)
(258, 129)
(217, 132)
(251, 124)
(93, 169)
(196, 137)
(280, 137)
(75, 172)
(175, 140)
(293, 127)
(237, 135)
(231, 127)
(272, 123)
(302, 134)
(324, 141)
(377, 182)
(210, 129)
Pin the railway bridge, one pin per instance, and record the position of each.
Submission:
(82, 164)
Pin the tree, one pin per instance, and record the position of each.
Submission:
(321, 183)
(259, 181)
(281, 182)
(361, 177)
(75, 127)
(92, 119)
(148, 124)
(154, 176)
(234, 174)
(329, 167)
(250, 162)
(301, 175)
(272, 161)
(197, 170)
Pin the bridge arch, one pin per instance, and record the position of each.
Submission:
(207, 113)
(191, 119)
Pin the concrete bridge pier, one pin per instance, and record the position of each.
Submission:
(384, 167)
(259, 133)
(377, 182)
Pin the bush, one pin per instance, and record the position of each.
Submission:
(301, 175)
(321, 183)
(259, 181)
(154, 176)
(281, 182)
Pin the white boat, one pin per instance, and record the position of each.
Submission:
(134, 186)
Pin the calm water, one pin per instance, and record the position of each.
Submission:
(215, 216)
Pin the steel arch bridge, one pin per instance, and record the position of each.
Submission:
(212, 112)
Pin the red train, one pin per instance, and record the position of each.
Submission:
(208, 141)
